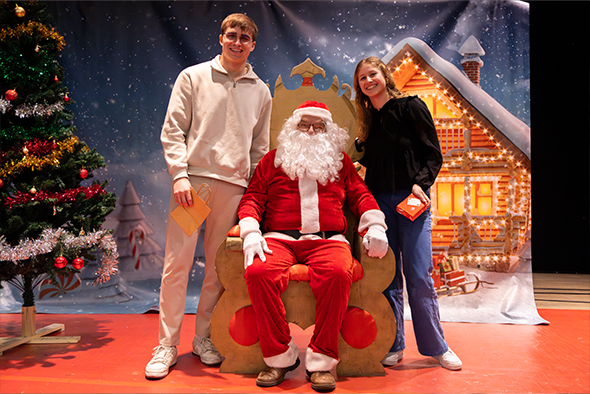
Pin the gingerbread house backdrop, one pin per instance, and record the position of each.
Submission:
(481, 205)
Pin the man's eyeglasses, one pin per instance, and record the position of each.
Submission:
(244, 38)
(317, 127)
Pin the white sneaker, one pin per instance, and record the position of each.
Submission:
(204, 348)
(393, 358)
(449, 360)
(164, 358)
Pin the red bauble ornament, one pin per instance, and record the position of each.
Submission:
(11, 95)
(56, 79)
(83, 173)
(1, 183)
(60, 262)
(66, 98)
(78, 263)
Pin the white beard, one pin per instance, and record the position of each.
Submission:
(317, 157)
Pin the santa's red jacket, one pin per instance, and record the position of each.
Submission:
(280, 203)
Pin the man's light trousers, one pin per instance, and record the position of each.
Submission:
(179, 256)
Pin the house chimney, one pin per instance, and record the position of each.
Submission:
(471, 51)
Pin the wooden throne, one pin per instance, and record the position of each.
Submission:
(369, 327)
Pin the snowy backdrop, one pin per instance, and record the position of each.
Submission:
(122, 58)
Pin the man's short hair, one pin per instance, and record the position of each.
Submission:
(242, 21)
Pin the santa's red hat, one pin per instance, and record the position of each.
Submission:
(314, 108)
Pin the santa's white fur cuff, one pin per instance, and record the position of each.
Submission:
(319, 362)
(248, 225)
(283, 360)
(370, 218)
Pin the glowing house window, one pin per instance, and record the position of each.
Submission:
(481, 198)
(450, 198)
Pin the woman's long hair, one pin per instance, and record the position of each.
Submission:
(362, 101)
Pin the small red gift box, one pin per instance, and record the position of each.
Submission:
(453, 278)
(411, 207)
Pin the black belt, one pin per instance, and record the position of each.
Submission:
(298, 234)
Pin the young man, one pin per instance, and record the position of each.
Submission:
(296, 198)
(215, 132)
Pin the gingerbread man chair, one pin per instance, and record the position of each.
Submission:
(369, 327)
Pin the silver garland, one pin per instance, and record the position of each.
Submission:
(27, 111)
(4, 105)
(50, 237)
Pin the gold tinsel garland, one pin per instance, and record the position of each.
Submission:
(37, 163)
(30, 29)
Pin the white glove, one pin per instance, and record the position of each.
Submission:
(253, 245)
(375, 240)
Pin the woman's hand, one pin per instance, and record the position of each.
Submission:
(182, 192)
(418, 192)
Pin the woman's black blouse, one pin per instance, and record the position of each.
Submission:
(402, 147)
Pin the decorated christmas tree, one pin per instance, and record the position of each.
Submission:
(51, 210)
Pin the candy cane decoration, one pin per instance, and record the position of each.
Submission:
(136, 236)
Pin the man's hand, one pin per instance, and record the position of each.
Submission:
(375, 240)
(182, 192)
(254, 245)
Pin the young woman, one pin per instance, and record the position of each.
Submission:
(402, 156)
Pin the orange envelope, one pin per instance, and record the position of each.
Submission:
(191, 218)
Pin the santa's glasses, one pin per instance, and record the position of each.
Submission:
(317, 127)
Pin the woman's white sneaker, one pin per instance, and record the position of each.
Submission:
(163, 358)
(449, 360)
(393, 358)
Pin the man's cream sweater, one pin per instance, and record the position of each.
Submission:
(216, 126)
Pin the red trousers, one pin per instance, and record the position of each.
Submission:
(330, 273)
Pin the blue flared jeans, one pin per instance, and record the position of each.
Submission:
(411, 244)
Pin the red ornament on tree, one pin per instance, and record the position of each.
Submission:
(60, 262)
(78, 263)
(11, 95)
(1, 183)
(66, 98)
(83, 173)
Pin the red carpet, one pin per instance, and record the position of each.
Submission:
(114, 349)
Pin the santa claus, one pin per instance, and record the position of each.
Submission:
(292, 213)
